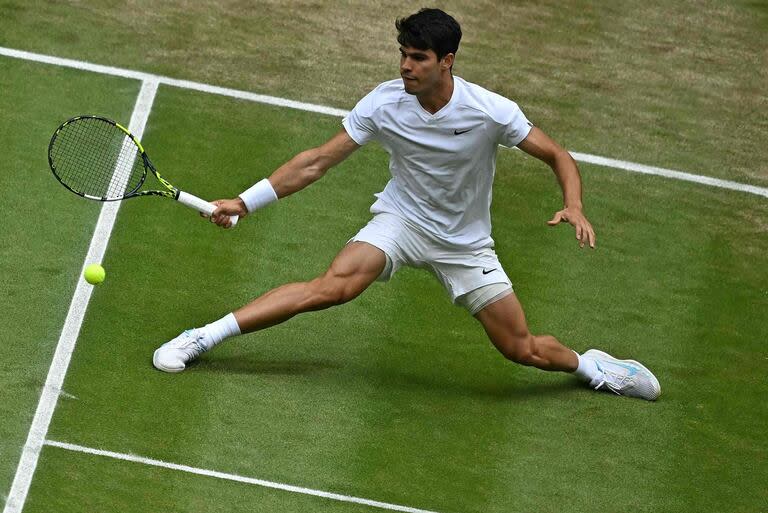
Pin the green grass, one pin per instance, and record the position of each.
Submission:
(674, 84)
(44, 234)
(76, 482)
(397, 396)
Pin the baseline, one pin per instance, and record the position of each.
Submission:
(321, 109)
(234, 477)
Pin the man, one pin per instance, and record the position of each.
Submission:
(442, 134)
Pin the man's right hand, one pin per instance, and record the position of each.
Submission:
(226, 208)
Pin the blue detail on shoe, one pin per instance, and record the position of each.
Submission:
(631, 368)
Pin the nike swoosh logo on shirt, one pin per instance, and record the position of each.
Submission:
(459, 132)
(486, 271)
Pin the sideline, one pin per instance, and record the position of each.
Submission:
(69, 333)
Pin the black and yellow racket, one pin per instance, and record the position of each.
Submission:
(101, 160)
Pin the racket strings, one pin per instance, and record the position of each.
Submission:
(97, 159)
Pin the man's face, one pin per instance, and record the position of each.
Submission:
(420, 69)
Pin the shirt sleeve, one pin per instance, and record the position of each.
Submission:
(359, 123)
(514, 125)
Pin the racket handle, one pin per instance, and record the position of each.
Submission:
(200, 205)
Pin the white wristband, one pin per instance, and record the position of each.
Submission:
(260, 195)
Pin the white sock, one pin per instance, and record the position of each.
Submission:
(217, 331)
(587, 368)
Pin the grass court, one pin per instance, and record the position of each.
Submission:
(396, 398)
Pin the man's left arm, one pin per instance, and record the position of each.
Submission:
(540, 145)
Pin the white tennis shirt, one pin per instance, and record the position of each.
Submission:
(442, 164)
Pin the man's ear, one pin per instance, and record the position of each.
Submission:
(447, 61)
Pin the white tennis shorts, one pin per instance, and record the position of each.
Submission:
(460, 271)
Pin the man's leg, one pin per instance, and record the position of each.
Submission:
(355, 267)
(504, 322)
(351, 272)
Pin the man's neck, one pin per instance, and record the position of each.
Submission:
(435, 100)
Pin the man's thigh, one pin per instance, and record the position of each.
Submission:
(504, 321)
(358, 265)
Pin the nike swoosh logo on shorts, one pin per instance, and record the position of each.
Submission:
(459, 132)
(486, 271)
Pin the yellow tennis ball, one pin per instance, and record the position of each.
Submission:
(94, 274)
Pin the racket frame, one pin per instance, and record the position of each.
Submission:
(171, 192)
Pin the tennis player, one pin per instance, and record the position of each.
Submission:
(442, 134)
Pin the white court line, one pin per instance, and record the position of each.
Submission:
(62, 356)
(235, 477)
(183, 84)
(669, 173)
(282, 102)
(69, 333)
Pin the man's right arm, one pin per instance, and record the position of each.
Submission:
(302, 170)
(310, 165)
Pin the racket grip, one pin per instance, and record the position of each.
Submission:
(200, 205)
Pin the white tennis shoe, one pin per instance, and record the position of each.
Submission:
(623, 377)
(174, 355)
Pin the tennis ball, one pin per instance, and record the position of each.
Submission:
(94, 274)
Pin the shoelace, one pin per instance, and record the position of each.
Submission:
(613, 381)
(191, 343)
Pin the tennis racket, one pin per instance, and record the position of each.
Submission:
(101, 160)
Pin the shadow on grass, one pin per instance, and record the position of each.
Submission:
(246, 365)
(516, 389)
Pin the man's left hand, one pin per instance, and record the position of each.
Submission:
(584, 232)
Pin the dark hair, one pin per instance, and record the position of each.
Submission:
(430, 29)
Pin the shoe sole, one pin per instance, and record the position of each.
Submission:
(654, 381)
